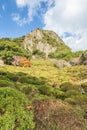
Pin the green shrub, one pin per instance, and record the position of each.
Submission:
(9, 48)
(28, 89)
(65, 86)
(46, 90)
(71, 93)
(6, 83)
(78, 100)
(66, 55)
(39, 53)
(25, 78)
(19, 40)
(14, 112)
(7, 56)
(59, 94)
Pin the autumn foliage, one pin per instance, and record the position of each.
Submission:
(23, 61)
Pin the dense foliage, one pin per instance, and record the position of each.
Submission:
(66, 55)
(39, 53)
(9, 48)
(12, 115)
(19, 40)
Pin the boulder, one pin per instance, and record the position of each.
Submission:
(75, 61)
(83, 59)
(21, 61)
(1, 63)
(62, 63)
(16, 60)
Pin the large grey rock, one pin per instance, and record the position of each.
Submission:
(75, 61)
(1, 63)
(62, 63)
(16, 60)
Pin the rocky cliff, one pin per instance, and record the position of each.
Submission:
(44, 41)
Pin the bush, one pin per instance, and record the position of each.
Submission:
(30, 90)
(39, 53)
(59, 94)
(7, 56)
(9, 48)
(78, 100)
(65, 86)
(65, 55)
(46, 90)
(6, 83)
(71, 93)
(69, 86)
(54, 115)
(14, 112)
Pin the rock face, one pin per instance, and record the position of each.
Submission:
(45, 41)
(1, 63)
(62, 63)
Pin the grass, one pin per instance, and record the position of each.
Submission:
(46, 69)
(44, 82)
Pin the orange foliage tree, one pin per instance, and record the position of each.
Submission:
(24, 62)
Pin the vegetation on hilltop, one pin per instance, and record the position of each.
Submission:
(45, 41)
(66, 55)
(19, 40)
(15, 46)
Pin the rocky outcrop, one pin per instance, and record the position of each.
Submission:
(60, 63)
(45, 41)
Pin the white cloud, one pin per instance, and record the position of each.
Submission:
(65, 16)
(20, 21)
(69, 16)
(33, 6)
(21, 3)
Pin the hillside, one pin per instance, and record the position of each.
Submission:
(47, 92)
(44, 41)
(49, 98)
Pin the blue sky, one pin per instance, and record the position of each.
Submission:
(10, 27)
(68, 18)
